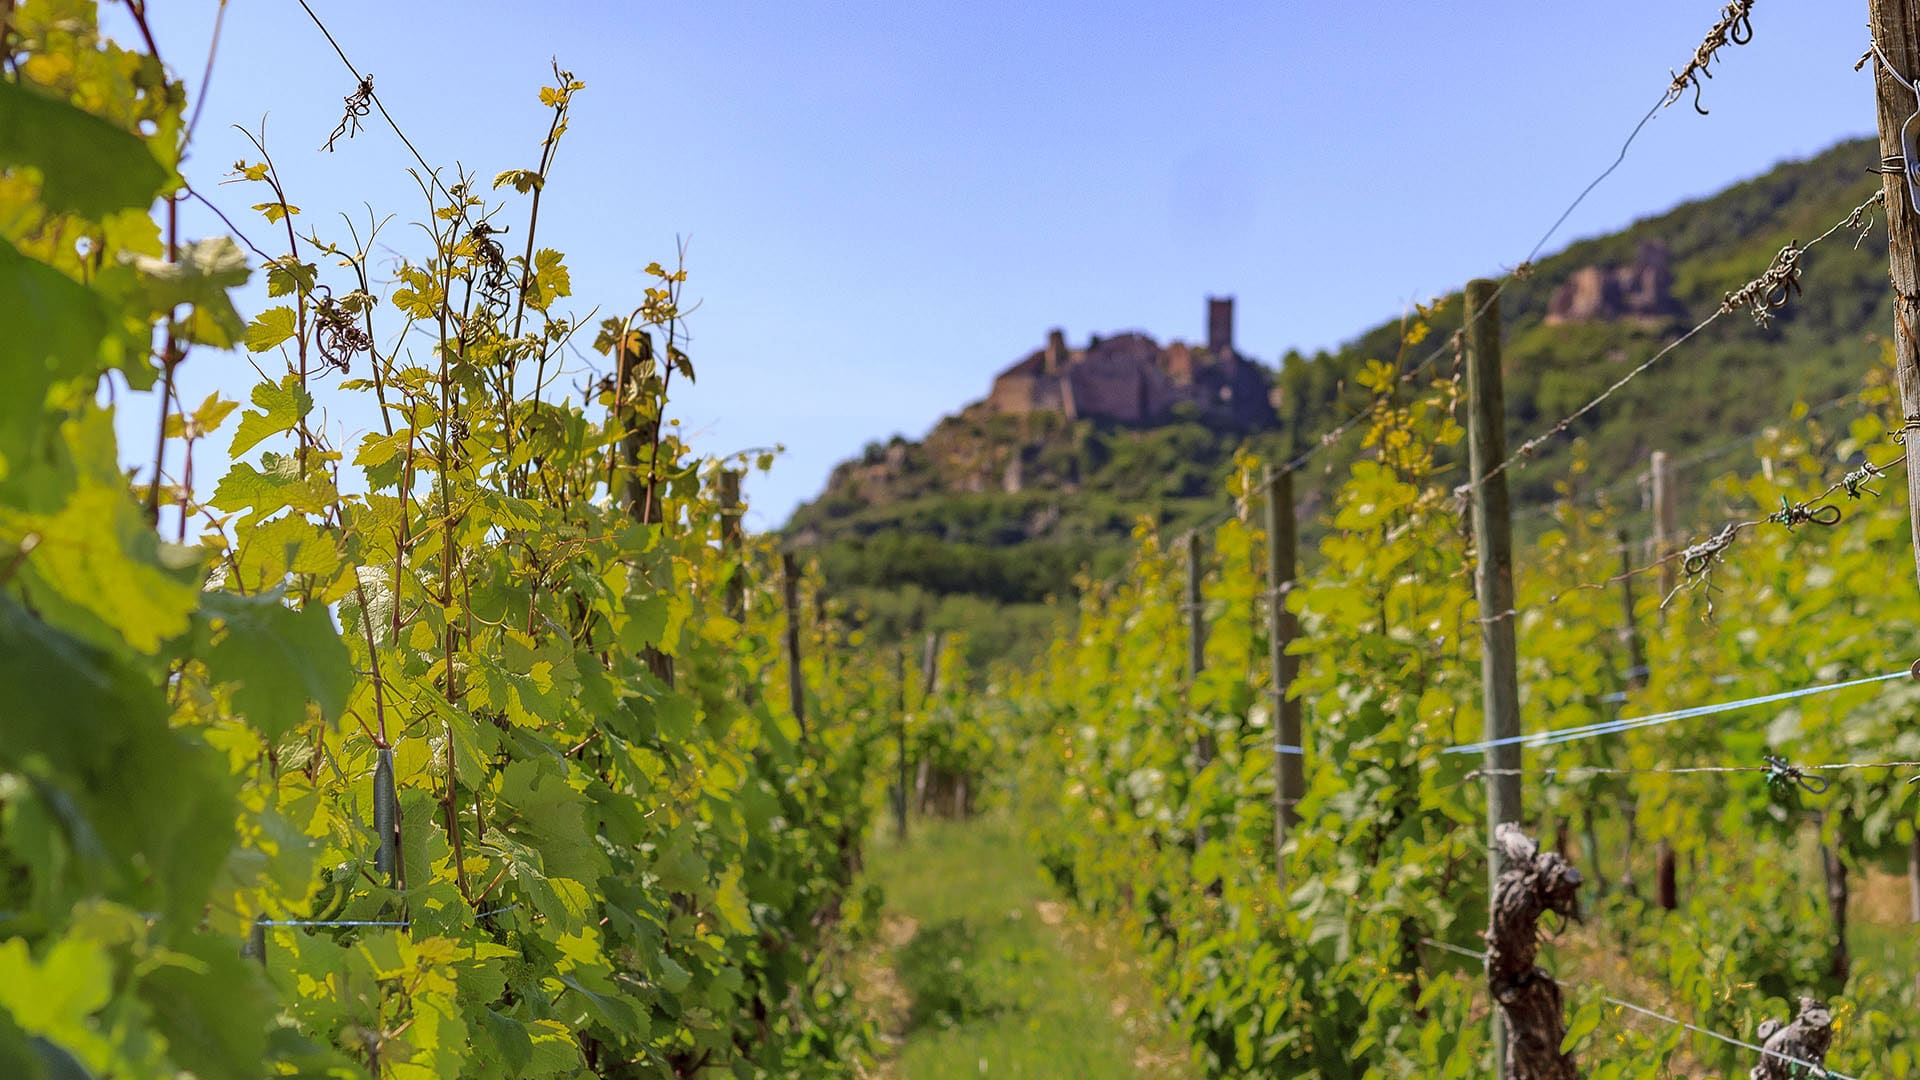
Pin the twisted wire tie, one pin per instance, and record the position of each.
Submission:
(1699, 558)
(1855, 482)
(1734, 28)
(1781, 777)
(1769, 292)
(1791, 514)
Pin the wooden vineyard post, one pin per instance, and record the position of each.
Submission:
(1660, 471)
(736, 602)
(1196, 635)
(796, 680)
(1493, 577)
(1289, 760)
(1839, 960)
(1666, 883)
(1534, 882)
(929, 684)
(1637, 670)
(900, 741)
(1895, 25)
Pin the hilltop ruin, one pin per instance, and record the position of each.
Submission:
(1132, 379)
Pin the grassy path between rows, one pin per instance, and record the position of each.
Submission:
(981, 969)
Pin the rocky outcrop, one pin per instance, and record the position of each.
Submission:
(1641, 291)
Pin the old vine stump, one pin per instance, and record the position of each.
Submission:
(1533, 883)
(1787, 1045)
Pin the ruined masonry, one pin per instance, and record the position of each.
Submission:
(1132, 379)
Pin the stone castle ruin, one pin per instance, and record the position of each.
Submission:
(1132, 379)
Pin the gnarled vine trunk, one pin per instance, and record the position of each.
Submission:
(1533, 883)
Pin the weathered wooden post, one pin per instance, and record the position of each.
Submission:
(1637, 670)
(1665, 531)
(1493, 576)
(1289, 758)
(1533, 883)
(730, 536)
(796, 679)
(929, 682)
(1666, 883)
(1839, 961)
(1196, 635)
(1895, 26)
(900, 742)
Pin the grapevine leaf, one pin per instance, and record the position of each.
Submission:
(269, 328)
(199, 276)
(550, 280)
(510, 1040)
(55, 328)
(287, 275)
(274, 486)
(102, 570)
(212, 1006)
(278, 659)
(282, 406)
(87, 165)
(523, 180)
(95, 729)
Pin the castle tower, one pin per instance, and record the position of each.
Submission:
(1056, 355)
(1220, 325)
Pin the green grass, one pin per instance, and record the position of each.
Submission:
(998, 978)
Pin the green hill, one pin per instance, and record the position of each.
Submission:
(994, 511)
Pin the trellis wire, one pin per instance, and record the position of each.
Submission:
(1609, 727)
(1702, 56)
(392, 923)
(1598, 770)
(1818, 1070)
(366, 82)
(1709, 453)
(1699, 557)
(1855, 219)
(1333, 435)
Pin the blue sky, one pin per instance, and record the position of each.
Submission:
(888, 202)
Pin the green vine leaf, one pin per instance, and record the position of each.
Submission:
(87, 165)
(277, 659)
(269, 328)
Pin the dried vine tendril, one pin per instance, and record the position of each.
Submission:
(496, 280)
(359, 104)
(336, 329)
(1734, 28)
